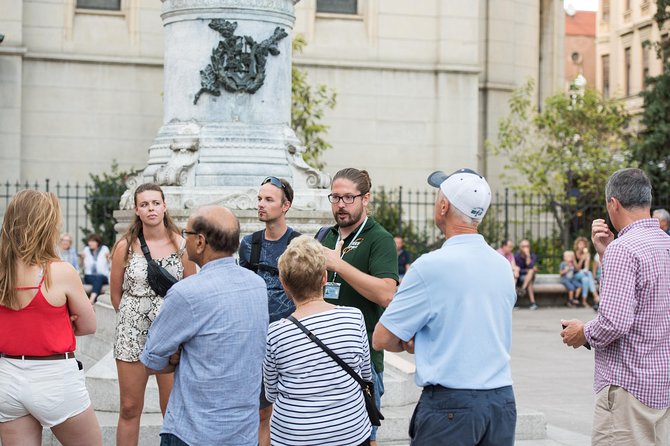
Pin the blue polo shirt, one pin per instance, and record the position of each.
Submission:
(457, 303)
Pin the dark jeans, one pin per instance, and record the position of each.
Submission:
(96, 281)
(460, 417)
(378, 380)
(171, 440)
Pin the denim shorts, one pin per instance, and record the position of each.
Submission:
(50, 390)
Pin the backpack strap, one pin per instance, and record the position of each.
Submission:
(292, 235)
(255, 256)
(322, 233)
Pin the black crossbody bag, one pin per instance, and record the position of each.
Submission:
(368, 387)
(160, 279)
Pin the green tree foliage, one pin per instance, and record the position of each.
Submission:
(101, 202)
(387, 212)
(566, 151)
(652, 148)
(308, 106)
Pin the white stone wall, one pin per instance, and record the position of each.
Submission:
(418, 86)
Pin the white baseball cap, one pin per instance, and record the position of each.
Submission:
(465, 189)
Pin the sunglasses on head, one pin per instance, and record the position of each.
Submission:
(277, 183)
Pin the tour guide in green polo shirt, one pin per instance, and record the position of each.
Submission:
(362, 260)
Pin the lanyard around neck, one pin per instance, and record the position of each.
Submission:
(360, 228)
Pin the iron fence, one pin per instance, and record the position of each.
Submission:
(551, 227)
(72, 199)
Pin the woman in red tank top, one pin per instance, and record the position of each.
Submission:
(43, 306)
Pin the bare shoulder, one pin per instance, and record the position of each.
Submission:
(120, 248)
(63, 270)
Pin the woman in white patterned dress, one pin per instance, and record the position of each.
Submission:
(137, 304)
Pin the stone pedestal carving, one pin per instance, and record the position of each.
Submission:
(218, 149)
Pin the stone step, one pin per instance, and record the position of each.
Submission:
(150, 427)
(92, 348)
(106, 318)
(530, 425)
(399, 386)
(103, 387)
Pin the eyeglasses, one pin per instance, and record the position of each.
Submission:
(346, 199)
(185, 233)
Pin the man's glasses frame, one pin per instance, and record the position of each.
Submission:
(185, 233)
(346, 199)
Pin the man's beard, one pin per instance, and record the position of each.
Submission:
(345, 219)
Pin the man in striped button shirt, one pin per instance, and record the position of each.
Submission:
(631, 334)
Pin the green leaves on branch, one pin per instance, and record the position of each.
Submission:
(101, 202)
(652, 147)
(308, 107)
(566, 151)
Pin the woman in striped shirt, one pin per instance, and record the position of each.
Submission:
(315, 401)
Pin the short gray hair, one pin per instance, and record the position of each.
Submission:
(631, 187)
(662, 214)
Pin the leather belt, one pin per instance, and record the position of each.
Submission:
(67, 355)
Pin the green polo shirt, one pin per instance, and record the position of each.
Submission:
(373, 253)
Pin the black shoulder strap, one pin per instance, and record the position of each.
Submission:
(322, 233)
(293, 235)
(255, 256)
(330, 353)
(145, 248)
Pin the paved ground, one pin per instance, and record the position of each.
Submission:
(552, 378)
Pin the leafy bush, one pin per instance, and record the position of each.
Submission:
(308, 106)
(387, 213)
(102, 200)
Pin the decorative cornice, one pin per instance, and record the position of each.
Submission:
(391, 66)
(284, 6)
(12, 50)
(93, 58)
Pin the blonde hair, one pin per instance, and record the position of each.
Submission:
(30, 235)
(569, 252)
(301, 267)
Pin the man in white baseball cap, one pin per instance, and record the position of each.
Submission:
(455, 305)
(465, 189)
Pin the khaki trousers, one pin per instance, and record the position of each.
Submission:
(621, 420)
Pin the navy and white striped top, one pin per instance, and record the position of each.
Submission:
(315, 401)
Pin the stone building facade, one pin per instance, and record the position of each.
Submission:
(623, 59)
(421, 85)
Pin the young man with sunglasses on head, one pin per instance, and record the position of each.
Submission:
(259, 252)
(361, 259)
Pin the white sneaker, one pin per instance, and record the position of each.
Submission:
(533, 307)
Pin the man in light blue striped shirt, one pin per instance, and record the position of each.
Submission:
(214, 324)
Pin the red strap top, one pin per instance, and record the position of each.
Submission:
(38, 329)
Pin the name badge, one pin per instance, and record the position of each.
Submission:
(332, 290)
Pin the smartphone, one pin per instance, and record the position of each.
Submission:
(587, 345)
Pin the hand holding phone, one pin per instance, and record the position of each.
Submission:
(587, 345)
